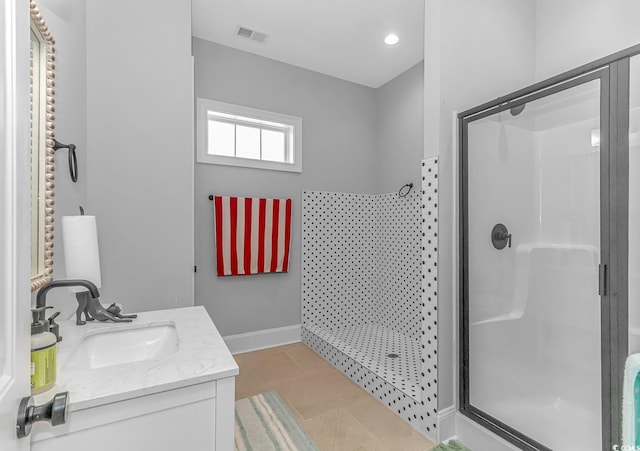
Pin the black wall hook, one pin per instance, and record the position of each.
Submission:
(73, 159)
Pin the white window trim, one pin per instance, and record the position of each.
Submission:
(205, 105)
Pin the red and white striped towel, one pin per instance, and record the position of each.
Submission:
(252, 235)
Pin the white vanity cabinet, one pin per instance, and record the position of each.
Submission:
(182, 402)
(195, 418)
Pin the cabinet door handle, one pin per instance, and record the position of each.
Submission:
(54, 412)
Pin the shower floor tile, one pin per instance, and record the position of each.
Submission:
(370, 345)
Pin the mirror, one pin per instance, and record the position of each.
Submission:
(41, 143)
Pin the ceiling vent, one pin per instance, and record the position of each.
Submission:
(254, 35)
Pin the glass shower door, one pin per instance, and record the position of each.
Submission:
(532, 248)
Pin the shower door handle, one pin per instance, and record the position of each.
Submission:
(602, 279)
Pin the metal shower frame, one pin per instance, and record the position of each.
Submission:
(613, 73)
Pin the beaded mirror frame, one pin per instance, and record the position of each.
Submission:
(42, 75)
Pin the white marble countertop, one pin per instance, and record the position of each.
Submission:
(202, 356)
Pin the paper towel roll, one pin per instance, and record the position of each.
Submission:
(81, 253)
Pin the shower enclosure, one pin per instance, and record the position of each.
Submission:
(544, 273)
(369, 292)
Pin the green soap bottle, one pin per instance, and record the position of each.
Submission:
(43, 353)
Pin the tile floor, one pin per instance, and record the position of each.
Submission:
(335, 412)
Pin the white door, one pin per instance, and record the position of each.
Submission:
(14, 218)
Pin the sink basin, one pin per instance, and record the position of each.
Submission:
(100, 349)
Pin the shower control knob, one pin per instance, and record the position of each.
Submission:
(500, 236)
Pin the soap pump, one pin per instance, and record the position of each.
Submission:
(54, 327)
(43, 352)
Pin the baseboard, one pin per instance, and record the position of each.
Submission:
(262, 339)
(447, 424)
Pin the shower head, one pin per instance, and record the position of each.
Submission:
(517, 109)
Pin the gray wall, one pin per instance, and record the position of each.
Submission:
(140, 152)
(144, 203)
(66, 20)
(468, 60)
(574, 32)
(338, 155)
(400, 130)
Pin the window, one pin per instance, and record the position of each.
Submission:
(240, 136)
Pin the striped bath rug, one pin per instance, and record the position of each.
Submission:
(451, 446)
(263, 423)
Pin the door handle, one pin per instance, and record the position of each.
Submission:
(54, 412)
(602, 280)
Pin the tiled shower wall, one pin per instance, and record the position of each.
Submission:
(429, 276)
(397, 256)
(361, 261)
(337, 283)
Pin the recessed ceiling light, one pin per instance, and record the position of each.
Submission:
(391, 39)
